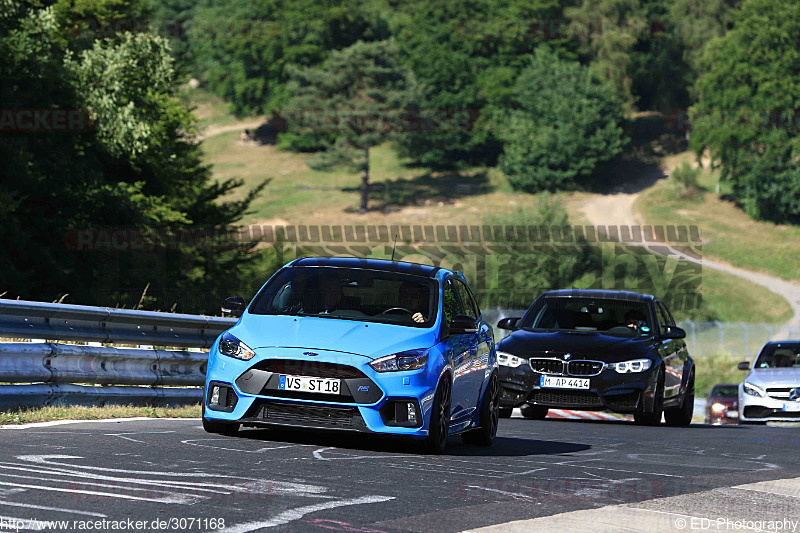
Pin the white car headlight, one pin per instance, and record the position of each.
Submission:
(231, 346)
(628, 367)
(506, 359)
(752, 390)
(409, 360)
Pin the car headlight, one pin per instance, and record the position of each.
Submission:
(231, 346)
(506, 359)
(408, 360)
(718, 408)
(752, 390)
(628, 367)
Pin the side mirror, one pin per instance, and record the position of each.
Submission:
(673, 332)
(744, 365)
(233, 305)
(463, 324)
(508, 323)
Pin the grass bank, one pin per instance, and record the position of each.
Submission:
(57, 412)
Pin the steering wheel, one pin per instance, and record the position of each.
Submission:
(393, 310)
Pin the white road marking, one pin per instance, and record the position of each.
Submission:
(514, 495)
(299, 512)
(193, 442)
(187, 499)
(46, 508)
(318, 455)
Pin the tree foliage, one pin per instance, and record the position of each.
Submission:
(566, 122)
(746, 113)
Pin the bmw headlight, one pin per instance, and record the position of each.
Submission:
(231, 346)
(628, 367)
(408, 360)
(752, 390)
(506, 359)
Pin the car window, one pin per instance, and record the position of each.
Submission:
(467, 301)
(351, 294)
(661, 317)
(450, 303)
(667, 315)
(779, 357)
(604, 315)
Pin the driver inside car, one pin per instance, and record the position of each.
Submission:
(411, 299)
(634, 320)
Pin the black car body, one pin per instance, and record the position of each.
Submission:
(579, 335)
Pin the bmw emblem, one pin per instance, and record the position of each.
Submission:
(310, 354)
(567, 356)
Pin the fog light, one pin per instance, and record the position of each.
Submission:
(214, 395)
(412, 413)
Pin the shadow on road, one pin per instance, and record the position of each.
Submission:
(502, 447)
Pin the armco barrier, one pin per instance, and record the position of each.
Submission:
(46, 372)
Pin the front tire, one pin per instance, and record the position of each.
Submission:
(653, 418)
(534, 412)
(489, 416)
(439, 426)
(682, 416)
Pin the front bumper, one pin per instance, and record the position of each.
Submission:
(609, 390)
(369, 401)
(766, 409)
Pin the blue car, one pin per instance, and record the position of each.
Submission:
(359, 345)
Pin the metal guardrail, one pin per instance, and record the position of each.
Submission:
(49, 372)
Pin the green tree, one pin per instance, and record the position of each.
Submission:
(137, 164)
(746, 113)
(359, 95)
(565, 123)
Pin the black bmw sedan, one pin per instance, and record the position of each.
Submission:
(597, 350)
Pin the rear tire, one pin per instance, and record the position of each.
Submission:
(489, 416)
(534, 412)
(682, 416)
(505, 412)
(439, 426)
(653, 418)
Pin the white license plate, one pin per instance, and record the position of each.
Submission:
(792, 407)
(732, 414)
(308, 384)
(555, 382)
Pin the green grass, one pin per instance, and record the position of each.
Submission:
(730, 234)
(58, 412)
(711, 370)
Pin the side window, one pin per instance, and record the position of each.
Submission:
(662, 318)
(467, 301)
(670, 320)
(450, 302)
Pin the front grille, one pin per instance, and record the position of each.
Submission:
(566, 399)
(547, 366)
(312, 415)
(780, 393)
(756, 411)
(310, 368)
(584, 368)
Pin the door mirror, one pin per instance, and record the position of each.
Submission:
(233, 305)
(462, 324)
(508, 323)
(744, 365)
(673, 332)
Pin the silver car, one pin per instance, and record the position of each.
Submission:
(771, 391)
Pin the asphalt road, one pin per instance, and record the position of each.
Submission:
(299, 481)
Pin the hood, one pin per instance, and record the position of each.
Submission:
(369, 339)
(775, 377)
(608, 348)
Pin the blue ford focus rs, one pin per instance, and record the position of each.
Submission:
(359, 345)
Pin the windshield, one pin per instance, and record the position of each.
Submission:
(725, 391)
(351, 294)
(612, 317)
(779, 357)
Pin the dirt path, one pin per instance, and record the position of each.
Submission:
(616, 208)
(216, 130)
